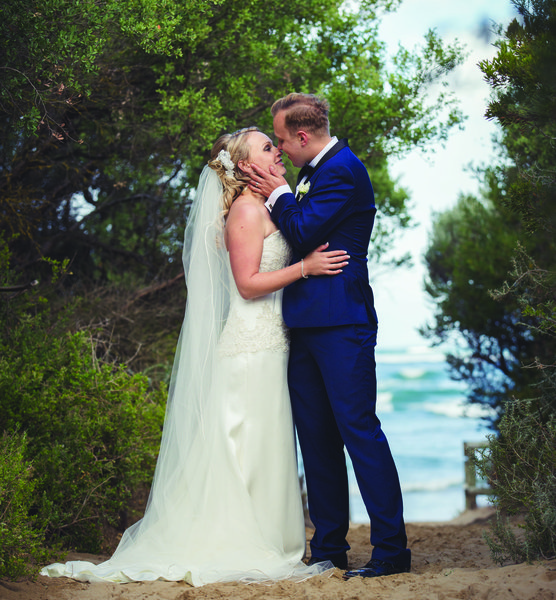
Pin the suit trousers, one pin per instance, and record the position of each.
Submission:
(332, 381)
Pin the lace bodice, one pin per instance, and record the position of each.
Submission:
(276, 253)
(257, 325)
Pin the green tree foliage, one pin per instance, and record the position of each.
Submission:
(523, 79)
(125, 99)
(469, 254)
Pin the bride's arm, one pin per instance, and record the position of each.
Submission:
(245, 233)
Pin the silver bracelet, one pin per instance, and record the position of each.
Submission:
(303, 272)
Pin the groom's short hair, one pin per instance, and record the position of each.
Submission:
(305, 112)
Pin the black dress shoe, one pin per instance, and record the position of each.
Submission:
(338, 561)
(380, 568)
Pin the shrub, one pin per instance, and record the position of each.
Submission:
(521, 464)
(21, 539)
(521, 460)
(92, 429)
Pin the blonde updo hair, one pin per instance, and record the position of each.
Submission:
(236, 144)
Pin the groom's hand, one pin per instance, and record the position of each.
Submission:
(263, 182)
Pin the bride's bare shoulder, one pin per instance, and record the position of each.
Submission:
(244, 209)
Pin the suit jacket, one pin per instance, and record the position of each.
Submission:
(338, 208)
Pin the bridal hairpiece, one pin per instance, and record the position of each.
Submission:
(226, 161)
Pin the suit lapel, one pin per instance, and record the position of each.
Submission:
(339, 145)
(308, 171)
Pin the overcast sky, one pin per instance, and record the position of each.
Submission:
(435, 181)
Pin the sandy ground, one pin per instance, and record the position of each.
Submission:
(450, 561)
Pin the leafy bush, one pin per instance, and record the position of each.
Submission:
(521, 461)
(93, 429)
(21, 540)
(521, 465)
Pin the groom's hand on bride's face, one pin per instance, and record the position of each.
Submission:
(264, 182)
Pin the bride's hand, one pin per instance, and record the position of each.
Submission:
(320, 262)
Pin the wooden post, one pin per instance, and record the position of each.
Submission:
(472, 490)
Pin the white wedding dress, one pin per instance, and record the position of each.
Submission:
(230, 507)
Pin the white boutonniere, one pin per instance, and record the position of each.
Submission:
(303, 188)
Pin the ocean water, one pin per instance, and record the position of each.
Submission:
(426, 420)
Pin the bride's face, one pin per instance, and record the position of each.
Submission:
(263, 153)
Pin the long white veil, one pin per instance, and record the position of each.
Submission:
(208, 299)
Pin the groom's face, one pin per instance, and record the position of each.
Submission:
(287, 142)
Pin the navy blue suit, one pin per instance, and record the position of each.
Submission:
(331, 371)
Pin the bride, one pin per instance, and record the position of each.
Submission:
(225, 502)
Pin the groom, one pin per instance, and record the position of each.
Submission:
(333, 329)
